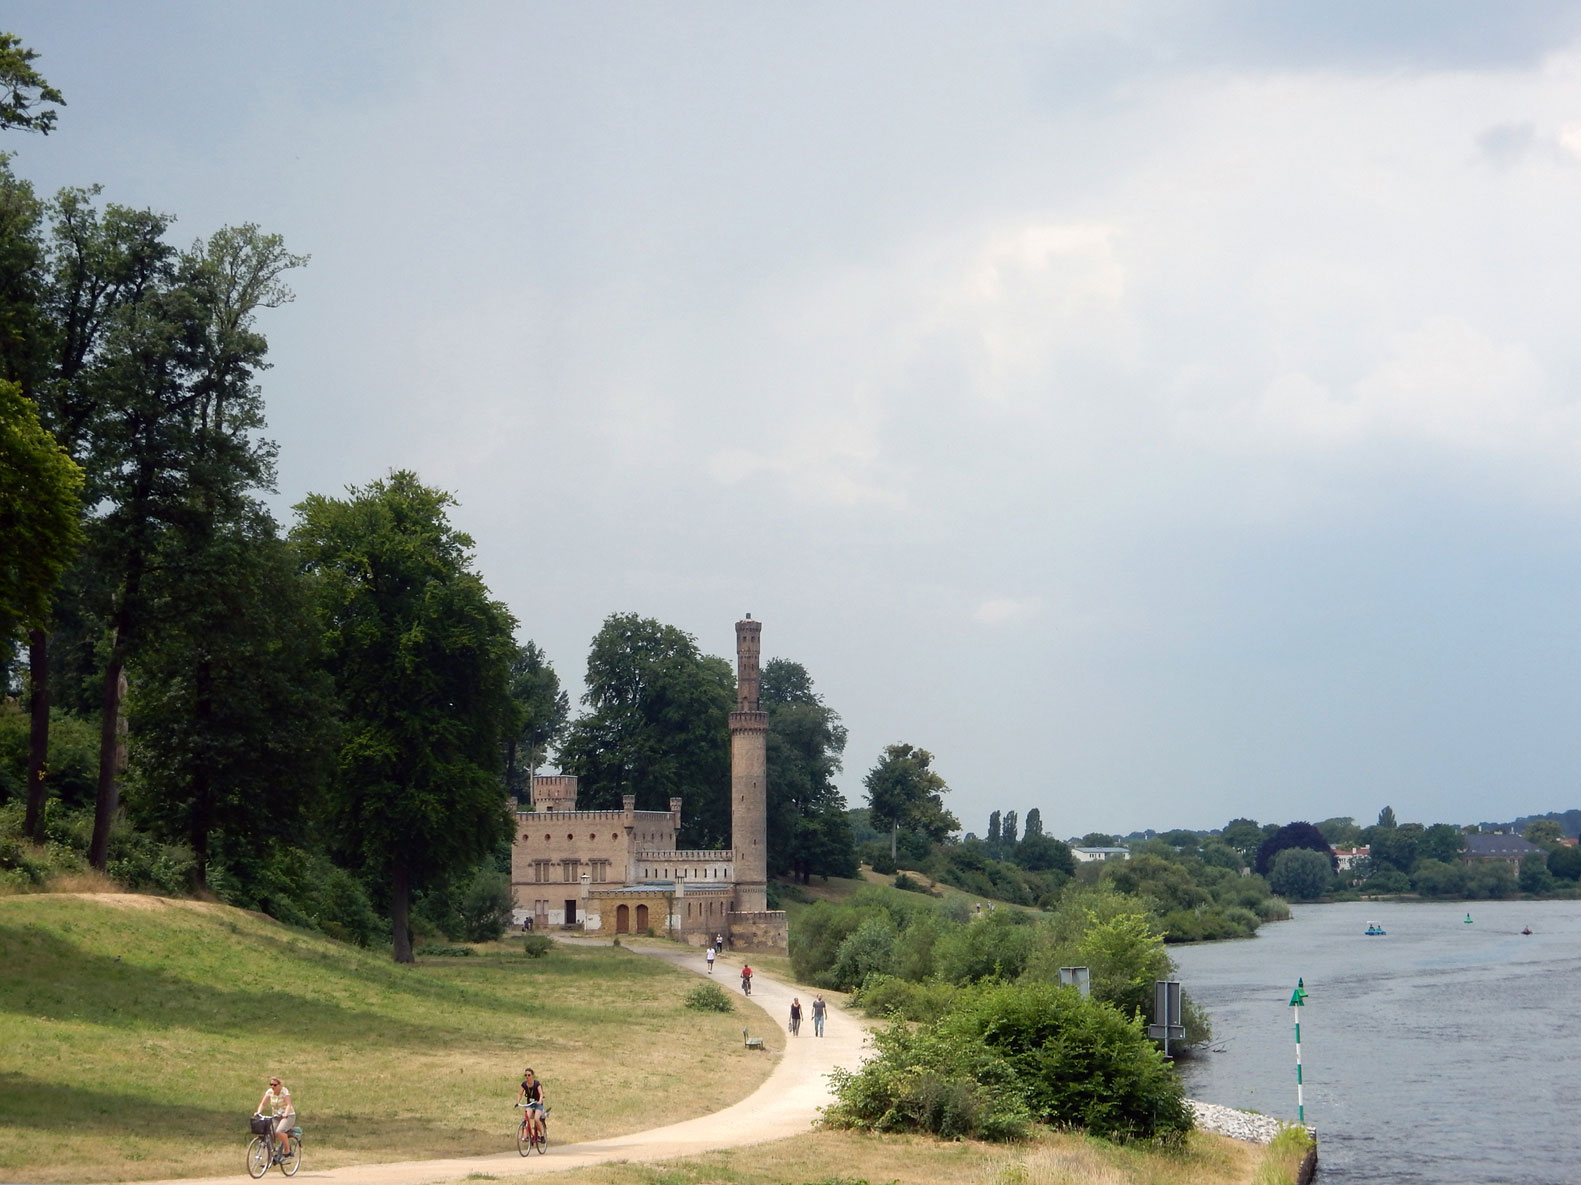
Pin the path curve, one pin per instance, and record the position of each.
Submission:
(786, 1104)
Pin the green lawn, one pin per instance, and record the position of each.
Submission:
(122, 1014)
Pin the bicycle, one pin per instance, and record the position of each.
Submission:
(261, 1151)
(746, 985)
(529, 1137)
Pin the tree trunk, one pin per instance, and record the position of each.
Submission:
(894, 840)
(400, 903)
(38, 736)
(108, 799)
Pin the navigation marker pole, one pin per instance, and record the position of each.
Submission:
(1298, 998)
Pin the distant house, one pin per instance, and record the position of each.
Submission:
(1347, 857)
(1496, 845)
(1099, 855)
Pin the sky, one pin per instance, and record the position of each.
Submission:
(1160, 412)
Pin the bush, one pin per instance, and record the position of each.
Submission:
(930, 1080)
(709, 997)
(486, 905)
(1076, 1061)
(536, 946)
(882, 862)
(443, 951)
(139, 861)
(867, 951)
(889, 995)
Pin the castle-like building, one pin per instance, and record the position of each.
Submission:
(619, 872)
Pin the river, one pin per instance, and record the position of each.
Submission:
(1442, 1052)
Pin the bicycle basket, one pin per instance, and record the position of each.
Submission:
(261, 1126)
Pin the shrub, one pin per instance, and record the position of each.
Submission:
(444, 951)
(867, 951)
(536, 946)
(709, 997)
(139, 861)
(883, 863)
(930, 1080)
(485, 906)
(889, 995)
(1076, 1061)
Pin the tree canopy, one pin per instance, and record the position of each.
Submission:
(809, 833)
(657, 726)
(420, 655)
(903, 791)
(1292, 835)
(23, 89)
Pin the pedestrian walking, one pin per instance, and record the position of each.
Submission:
(710, 960)
(818, 1009)
(795, 1017)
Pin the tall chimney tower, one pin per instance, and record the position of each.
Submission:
(749, 808)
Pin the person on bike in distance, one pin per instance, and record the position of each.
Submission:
(746, 978)
(276, 1103)
(532, 1095)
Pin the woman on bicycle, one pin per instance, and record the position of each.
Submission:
(276, 1103)
(532, 1095)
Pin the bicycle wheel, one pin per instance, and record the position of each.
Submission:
(293, 1157)
(258, 1156)
(543, 1138)
(524, 1137)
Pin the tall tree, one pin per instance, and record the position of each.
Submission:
(57, 297)
(173, 409)
(1008, 830)
(229, 709)
(657, 726)
(1034, 826)
(22, 89)
(904, 791)
(420, 655)
(809, 832)
(40, 509)
(1293, 835)
(991, 842)
(543, 710)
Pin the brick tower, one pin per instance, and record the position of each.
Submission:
(749, 775)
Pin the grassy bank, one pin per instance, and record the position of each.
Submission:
(849, 1158)
(120, 1014)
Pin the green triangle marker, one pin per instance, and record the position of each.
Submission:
(1298, 997)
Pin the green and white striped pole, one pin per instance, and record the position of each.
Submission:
(1298, 998)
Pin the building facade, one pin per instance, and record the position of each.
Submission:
(619, 872)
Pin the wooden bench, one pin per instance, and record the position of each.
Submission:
(752, 1042)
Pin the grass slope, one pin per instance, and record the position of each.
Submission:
(125, 1015)
(853, 1158)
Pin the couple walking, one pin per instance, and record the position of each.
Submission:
(818, 1010)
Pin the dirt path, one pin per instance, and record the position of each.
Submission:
(787, 1103)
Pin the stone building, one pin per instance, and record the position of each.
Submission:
(619, 872)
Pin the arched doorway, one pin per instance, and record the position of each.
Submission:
(642, 918)
(622, 919)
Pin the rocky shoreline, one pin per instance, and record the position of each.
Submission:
(1238, 1125)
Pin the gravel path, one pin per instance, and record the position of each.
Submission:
(785, 1105)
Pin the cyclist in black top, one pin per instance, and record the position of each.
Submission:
(532, 1095)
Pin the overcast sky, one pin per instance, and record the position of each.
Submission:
(1161, 412)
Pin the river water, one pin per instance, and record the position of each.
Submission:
(1443, 1052)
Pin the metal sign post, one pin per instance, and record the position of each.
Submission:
(1167, 1013)
(1079, 978)
(1298, 998)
